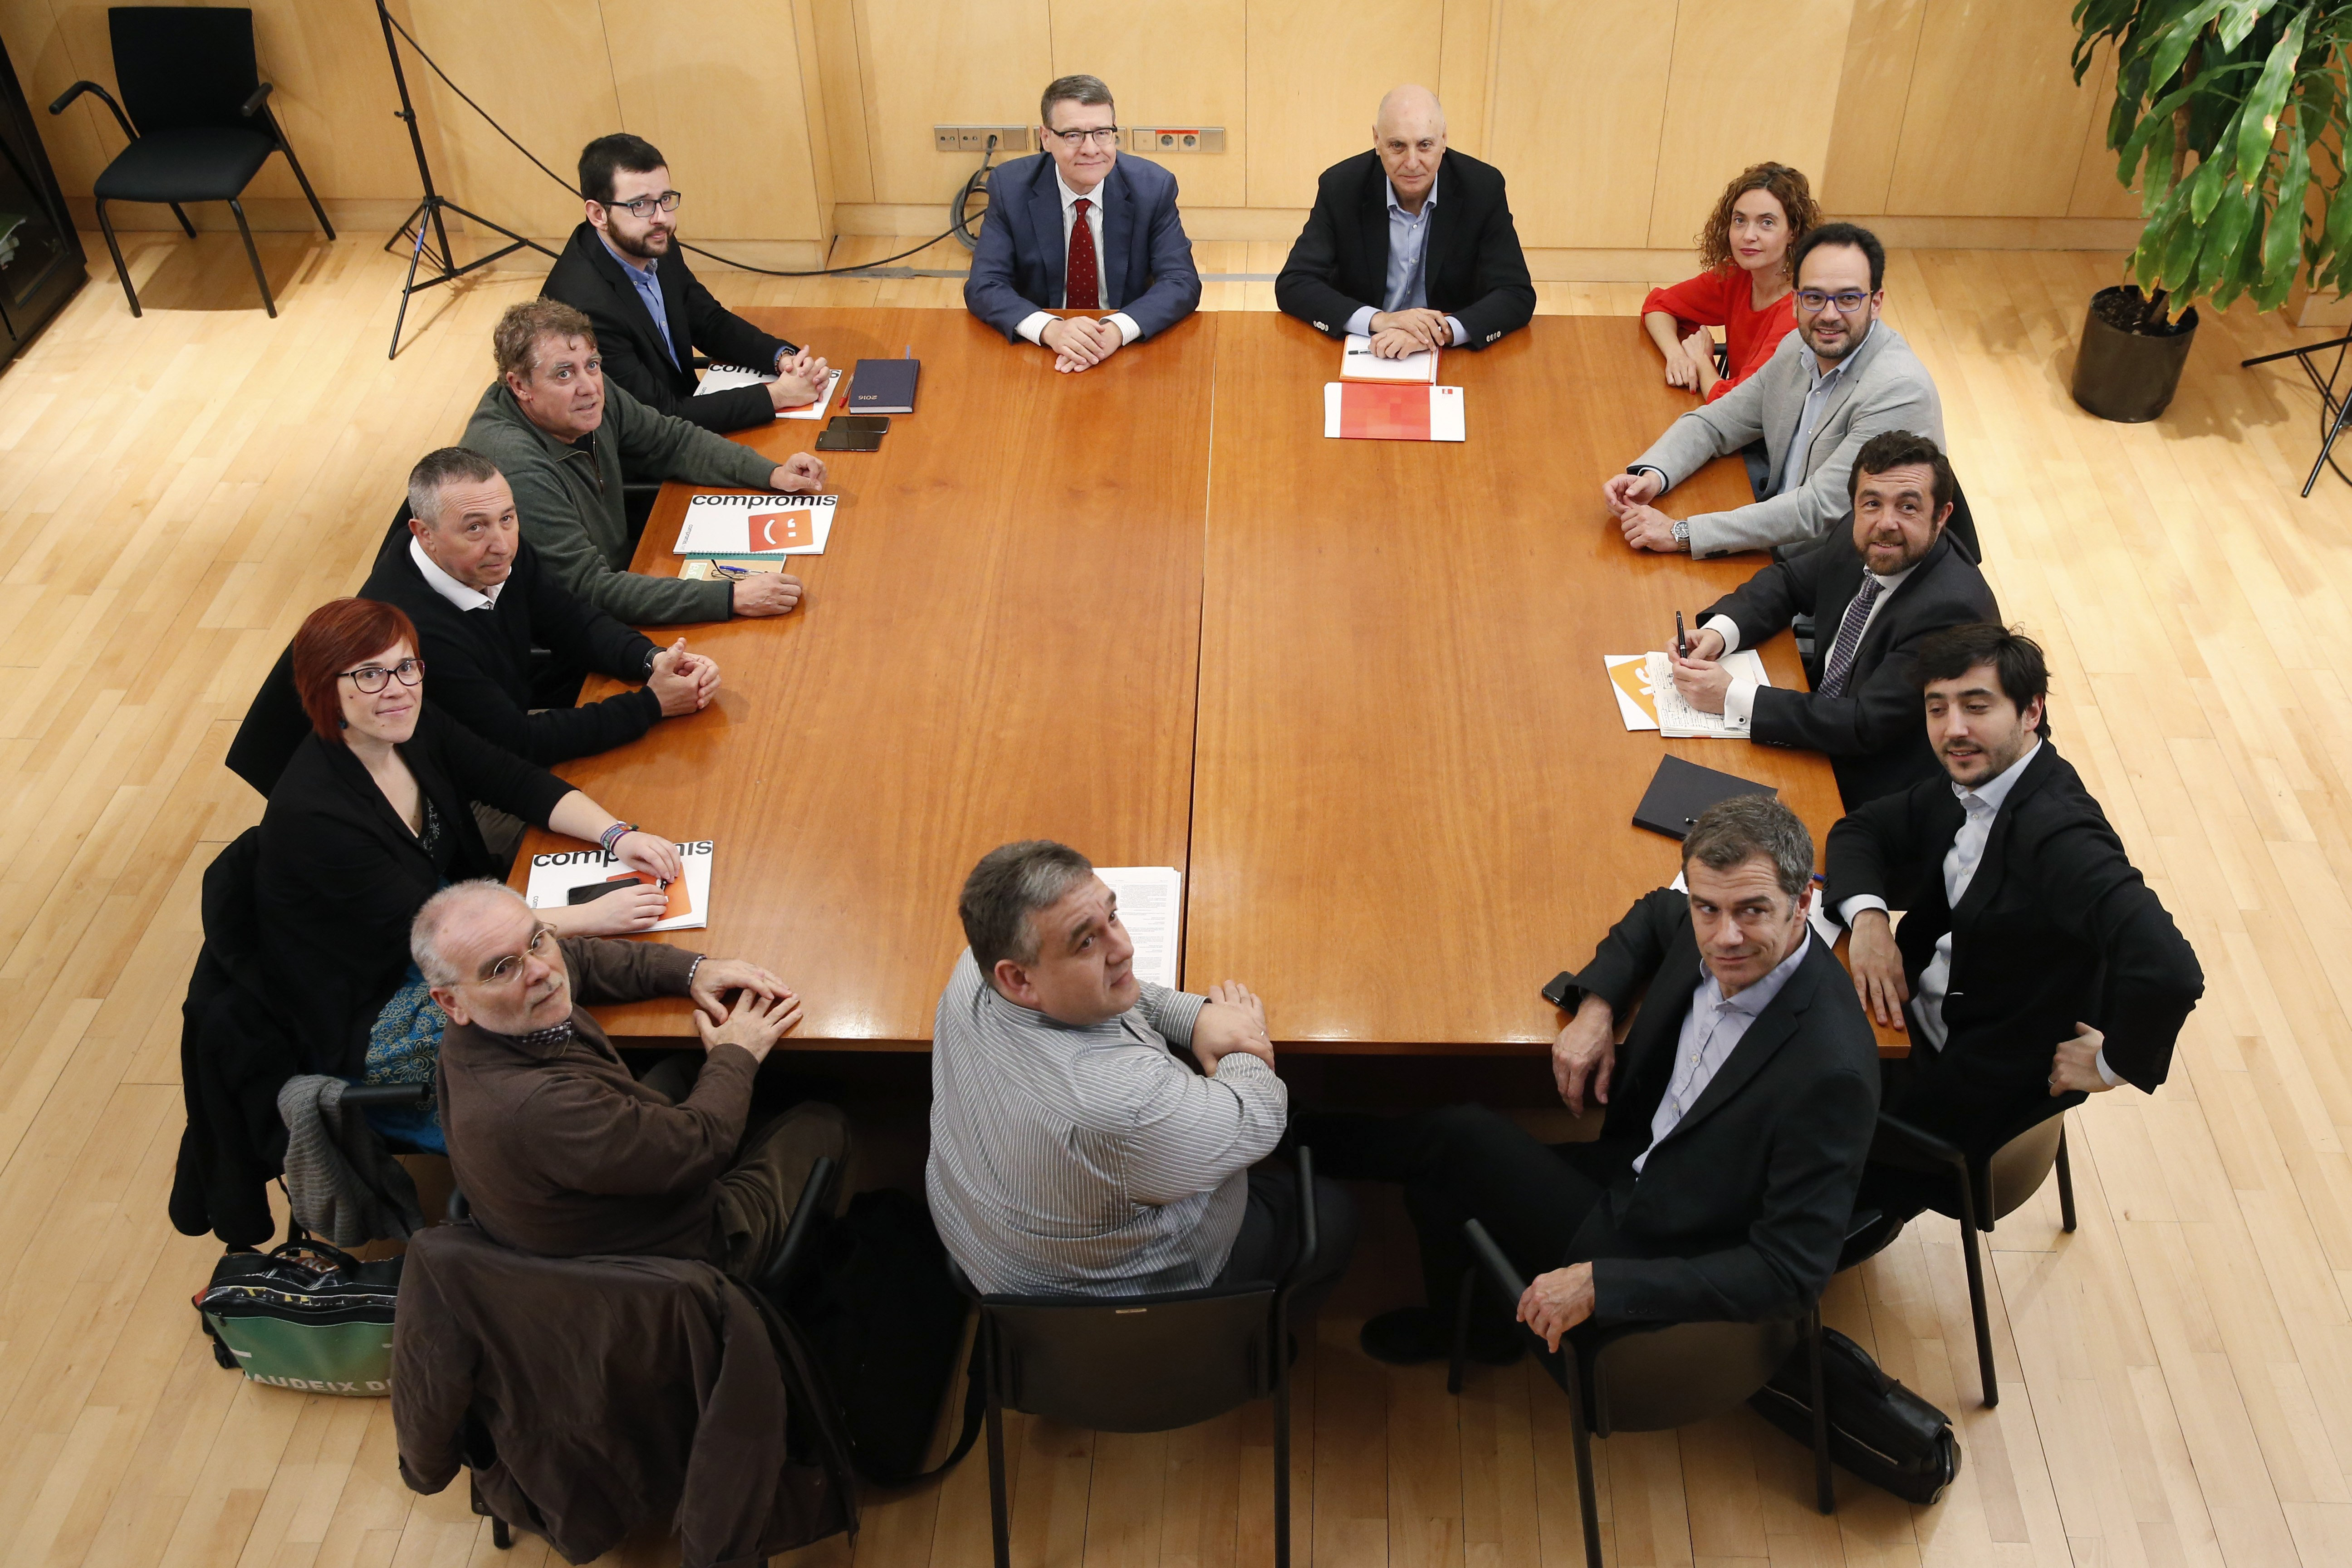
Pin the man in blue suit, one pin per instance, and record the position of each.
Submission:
(1077, 229)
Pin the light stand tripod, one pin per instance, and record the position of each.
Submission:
(429, 210)
(2335, 412)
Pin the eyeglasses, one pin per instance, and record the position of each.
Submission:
(373, 678)
(1100, 135)
(1847, 301)
(643, 207)
(503, 970)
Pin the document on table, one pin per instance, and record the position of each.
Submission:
(1358, 362)
(769, 524)
(1371, 411)
(727, 377)
(1646, 698)
(578, 876)
(1151, 907)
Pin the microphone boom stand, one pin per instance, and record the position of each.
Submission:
(428, 211)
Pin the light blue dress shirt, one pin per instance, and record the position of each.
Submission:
(1711, 1031)
(1408, 279)
(1817, 396)
(647, 280)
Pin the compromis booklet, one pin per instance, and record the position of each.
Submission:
(756, 525)
(581, 876)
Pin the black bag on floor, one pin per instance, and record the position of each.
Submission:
(887, 1325)
(305, 1315)
(1878, 1429)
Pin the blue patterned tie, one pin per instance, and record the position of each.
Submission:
(1849, 637)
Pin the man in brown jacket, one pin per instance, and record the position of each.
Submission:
(559, 1150)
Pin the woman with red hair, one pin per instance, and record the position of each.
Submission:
(370, 818)
(1745, 289)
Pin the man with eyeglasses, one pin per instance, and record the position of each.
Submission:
(559, 1150)
(566, 443)
(1842, 377)
(1076, 228)
(1412, 244)
(625, 271)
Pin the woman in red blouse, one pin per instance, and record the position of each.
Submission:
(1746, 286)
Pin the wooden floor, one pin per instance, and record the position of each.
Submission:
(176, 492)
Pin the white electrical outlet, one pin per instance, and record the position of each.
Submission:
(1176, 139)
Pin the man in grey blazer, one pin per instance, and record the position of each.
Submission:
(1842, 377)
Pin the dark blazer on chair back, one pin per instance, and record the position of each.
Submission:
(1875, 732)
(1474, 269)
(341, 876)
(2056, 927)
(480, 660)
(1739, 1213)
(590, 279)
(1017, 266)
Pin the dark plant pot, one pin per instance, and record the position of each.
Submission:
(2127, 376)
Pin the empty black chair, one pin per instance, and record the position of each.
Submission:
(199, 121)
(1143, 1364)
(1985, 1188)
(1649, 1377)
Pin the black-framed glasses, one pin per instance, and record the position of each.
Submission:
(1847, 301)
(1100, 135)
(373, 678)
(643, 207)
(540, 946)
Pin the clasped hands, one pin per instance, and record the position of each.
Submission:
(800, 380)
(1628, 498)
(1397, 334)
(1081, 342)
(1879, 981)
(765, 1009)
(1234, 1020)
(682, 682)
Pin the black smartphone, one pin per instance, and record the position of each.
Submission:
(877, 423)
(832, 438)
(1564, 993)
(592, 891)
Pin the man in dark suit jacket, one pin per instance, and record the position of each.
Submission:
(1410, 244)
(1743, 1102)
(1874, 591)
(622, 270)
(2035, 964)
(1080, 200)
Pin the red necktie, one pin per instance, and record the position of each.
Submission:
(1080, 290)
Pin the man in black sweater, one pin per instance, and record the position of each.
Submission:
(1875, 591)
(460, 569)
(2035, 966)
(622, 270)
(1409, 245)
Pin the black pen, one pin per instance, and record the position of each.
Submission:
(1682, 641)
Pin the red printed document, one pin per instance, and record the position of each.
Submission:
(1372, 410)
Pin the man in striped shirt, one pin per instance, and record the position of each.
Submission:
(1073, 1152)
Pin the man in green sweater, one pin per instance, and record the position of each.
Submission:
(565, 441)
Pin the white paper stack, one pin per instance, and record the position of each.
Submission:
(727, 377)
(1151, 907)
(756, 525)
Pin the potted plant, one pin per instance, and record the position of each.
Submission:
(2230, 113)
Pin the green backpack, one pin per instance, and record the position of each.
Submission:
(305, 1315)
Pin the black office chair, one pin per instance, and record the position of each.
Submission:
(1143, 1364)
(1649, 1377)
(1986, 1187)
(203, 122)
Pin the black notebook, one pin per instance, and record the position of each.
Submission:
(884, 386)
(1680, 792)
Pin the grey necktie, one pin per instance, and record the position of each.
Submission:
(1849, 637)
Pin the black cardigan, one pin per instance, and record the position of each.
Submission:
(479, 661)
(588, 278)
(341, 876)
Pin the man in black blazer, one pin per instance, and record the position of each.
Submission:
(2034, 964)
(1874, 591)
(1411, 243)
(622, 270)
(1739, 1109)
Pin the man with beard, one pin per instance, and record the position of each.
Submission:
(1842, 377)
(2034, 964)
(623, 270)
(1874, 590)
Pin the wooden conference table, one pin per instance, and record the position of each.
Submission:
(1352, 690)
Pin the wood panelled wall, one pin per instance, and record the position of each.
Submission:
(790, 120)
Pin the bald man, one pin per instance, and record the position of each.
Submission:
(1410, 244)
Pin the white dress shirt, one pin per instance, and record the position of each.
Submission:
(1033, 326)
(1407, 281)
(1712, 1030)
(449, 587)
(1979, 806)
(1740, 701)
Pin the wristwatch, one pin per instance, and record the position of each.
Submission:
(1682, 531)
